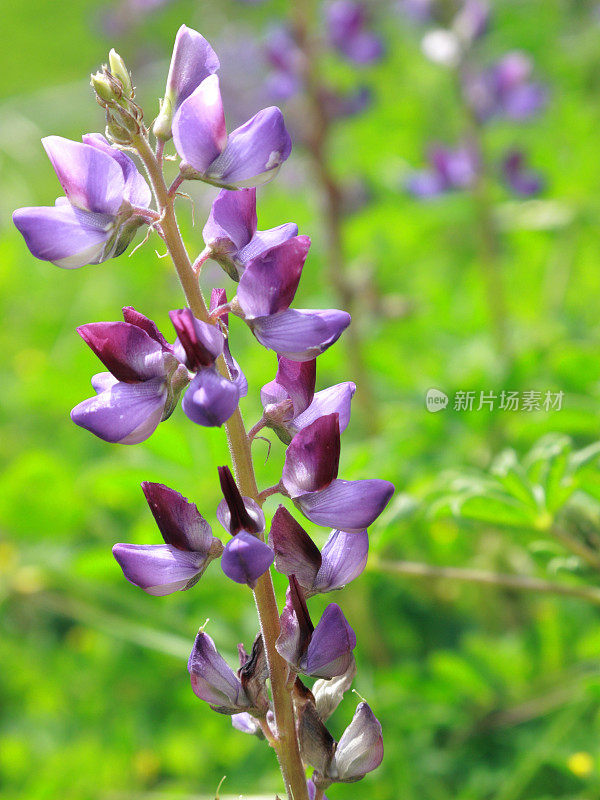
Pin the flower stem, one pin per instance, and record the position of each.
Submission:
(286, 740)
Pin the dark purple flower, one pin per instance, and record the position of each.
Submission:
(143, 384)
(246, 558)
(231, 231)
(310, 479)
(523, 181)
(95, 221)
(237, 513)
(321, 652)
(505, 89)
(213, 680)
(343, 559)
(360, 749)
(347, 25)
(211, 398)
(250, 156)
(161, 569)
(290, 403)
(192, 61)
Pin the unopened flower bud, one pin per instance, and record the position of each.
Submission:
(103, 87)
(120, 71)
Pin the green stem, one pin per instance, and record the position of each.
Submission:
(286, 741)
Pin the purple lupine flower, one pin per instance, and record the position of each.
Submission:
(285, 59)
(250, 156)
(237, 513)
(360, 749)
(192, 61)
(343, 559)
(312, 791)
(505, 89)
(245, 558)
(290, 403)
(96, 220)
(231, 231)
(346, 22)
(161, 569)
(213, 680)
(142, 386)
(321, 652)
(523, 181)
(211, 398)
(310, 479)
(451, 168)
(267, 287)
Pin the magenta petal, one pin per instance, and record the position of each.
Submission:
(91, 179)
(232, 221)
(330, 650)
(125, 414)
(210, 398)
(265, 240)
(300, 334)
(344, 557)
(350, 506)
(192, 61)
(134, 317)
(254, 152)
(297, 378)
(212, 678)
(269, 283)
(312, 458)
(136, 190)
(295, 552)
(334, 400)
(203, 343)
(158, 569)
(68, 237)
(126, 350)
(360, 749)
(246, 558)
(199, 129)
(179, 521)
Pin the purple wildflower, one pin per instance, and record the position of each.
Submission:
(523, 181)
(213, 680)
(347, 25)
(360, 749)
(451, 168)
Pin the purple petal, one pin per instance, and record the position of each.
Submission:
(212, 678)
(288, 643)
(511, 71)
(426, 184)
(347, 505)
(199, 130)
(295, 552)
(522, 181)
(203, 343)
(344, 557)
(211, 398)
(265, 240)
(179, 521)
(68, 237)
(126, 413)
(330, 650)
(236, 513)
(103, 381)
(457, 167)
(312, 458)
(254, 152)
(136, 190)
(193, 60)
(297, 378)
(158, 569)
(300, 334)
(232, 221)
(269, 283)
(91, 179)
(360, 750)
(472, 21)
(364, 48)
(245, 723)
(134, 317)
(246, 558)
(312, 791)
(126, 350)
(334, 400)
(524, 101)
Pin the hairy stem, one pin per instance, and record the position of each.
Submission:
(286, 740)
(521, 583)
(317, 142)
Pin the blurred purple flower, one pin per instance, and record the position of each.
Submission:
(250, 156)
(523, 181)
(472, 20)
(310, 479)
(96, 220)
(450, 169)
(505, 89)
(346, 22)
(285, 59)
(343, 558)
(416, 10)
(161, 569)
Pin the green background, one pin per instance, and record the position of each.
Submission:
(482, 693)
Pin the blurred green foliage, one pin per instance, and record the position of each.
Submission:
(483, 693)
